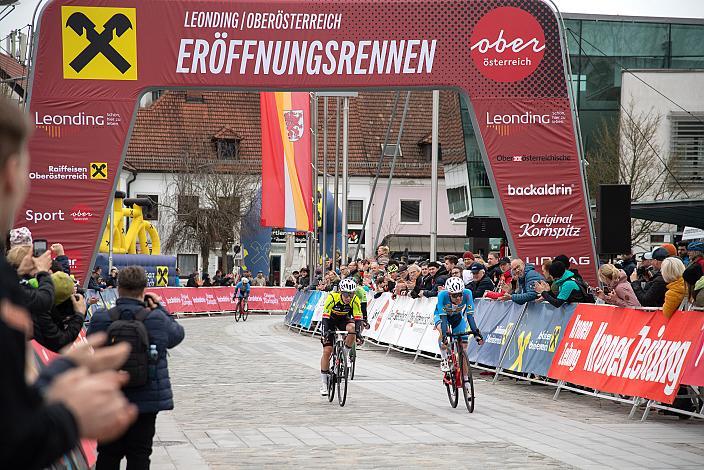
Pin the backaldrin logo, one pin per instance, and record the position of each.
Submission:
(540, 190)
(99, 43)
(507, 44)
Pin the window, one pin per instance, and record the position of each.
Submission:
(187, 264)
(657, 238)
(389, 150)
(457, 200)
(355, 209)
(150, 213)
(228, 149)
(187, 206)
(410, 212)
(687, 151)
(194, 96)
(229, 266)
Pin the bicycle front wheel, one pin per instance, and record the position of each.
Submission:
(237, 313)
(467, 385)
(451, 382)
(245, 312)
(342, 376)
(353, 358)
(331, 377)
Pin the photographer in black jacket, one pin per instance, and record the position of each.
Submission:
(647, 282)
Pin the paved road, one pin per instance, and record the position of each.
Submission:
(247, 397)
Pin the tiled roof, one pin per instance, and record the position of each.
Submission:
(10, 68)
(172, 128)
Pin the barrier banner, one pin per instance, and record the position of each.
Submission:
(694, 370)
(629, 352)
(224, 297)
(270, 298)
(318, 313)
(377, 310)
(298, 313)
(309, 308)
(536, 338)
(496, 321)
(395, 320)
(292, 307)
(416, 324)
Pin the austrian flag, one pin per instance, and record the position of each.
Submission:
(286, 161)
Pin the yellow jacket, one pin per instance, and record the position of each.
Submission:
(674, 295)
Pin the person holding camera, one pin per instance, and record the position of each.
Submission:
(140, 320)
(648, 284)
(617, 290)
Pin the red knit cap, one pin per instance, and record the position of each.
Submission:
(468, 255)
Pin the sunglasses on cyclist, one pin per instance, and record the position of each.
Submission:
(454, 296)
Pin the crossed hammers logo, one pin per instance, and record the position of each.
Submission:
(116, 26)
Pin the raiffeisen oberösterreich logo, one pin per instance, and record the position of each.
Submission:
(507, 44)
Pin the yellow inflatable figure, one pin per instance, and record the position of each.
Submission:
(140, 229)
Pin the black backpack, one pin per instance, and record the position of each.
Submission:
(135, 333)
(586, 296)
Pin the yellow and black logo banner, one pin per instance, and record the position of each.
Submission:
(99, 43)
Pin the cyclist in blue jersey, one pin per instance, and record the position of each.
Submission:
(456, 308)
(241, 290)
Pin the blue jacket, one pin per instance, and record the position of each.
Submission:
(526, 285)
(165, 333)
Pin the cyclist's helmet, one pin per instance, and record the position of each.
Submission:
(348, 286)
(454, 285)
(245, 280)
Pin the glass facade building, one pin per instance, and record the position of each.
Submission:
(600, 48)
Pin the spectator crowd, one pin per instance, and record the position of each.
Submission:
(109, 387)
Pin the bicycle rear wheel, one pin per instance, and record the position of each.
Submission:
(467, 385)
(237, 313)
(331, 377)
(342, 376)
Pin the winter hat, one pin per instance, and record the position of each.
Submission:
(20, 236)
(671, 250)
(468, 255)
(63, 287)
(695, 246)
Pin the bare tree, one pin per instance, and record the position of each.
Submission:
(628, 153)
(208, 200)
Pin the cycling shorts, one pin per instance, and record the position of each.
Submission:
(459, 325)
(333, 324)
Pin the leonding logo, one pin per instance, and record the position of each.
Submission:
(507, 44)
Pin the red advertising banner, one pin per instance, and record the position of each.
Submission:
(694, 371)
(94, 60)
(217, 299)
(626, 351)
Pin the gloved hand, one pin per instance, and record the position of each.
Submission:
(358, 328)
(478, 336)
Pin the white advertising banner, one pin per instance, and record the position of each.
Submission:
(318, 313)
(429, 341)
(395, 320)
(418, 318)
(377, 311)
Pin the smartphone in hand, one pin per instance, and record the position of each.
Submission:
(39, 247)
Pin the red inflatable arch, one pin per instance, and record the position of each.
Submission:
(94, 59)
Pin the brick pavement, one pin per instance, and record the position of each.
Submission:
(247, 397)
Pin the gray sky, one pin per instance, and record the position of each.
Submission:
(22, 15)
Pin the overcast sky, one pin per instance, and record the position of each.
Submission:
(22, 15)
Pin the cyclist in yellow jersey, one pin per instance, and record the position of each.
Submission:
(342, 312)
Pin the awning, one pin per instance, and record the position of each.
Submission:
(684, 212)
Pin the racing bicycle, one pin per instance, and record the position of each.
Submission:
(242, 309)
(454, 378)
(339, 369)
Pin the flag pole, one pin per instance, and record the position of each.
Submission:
(325, 184)
(336, 203)
(345, 177)
(434, 177)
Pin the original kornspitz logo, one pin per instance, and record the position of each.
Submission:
(99, 43)
(507, 44)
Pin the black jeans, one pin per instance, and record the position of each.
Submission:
(135, 444)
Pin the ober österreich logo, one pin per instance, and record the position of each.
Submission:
(507, 44)
(99, 43)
